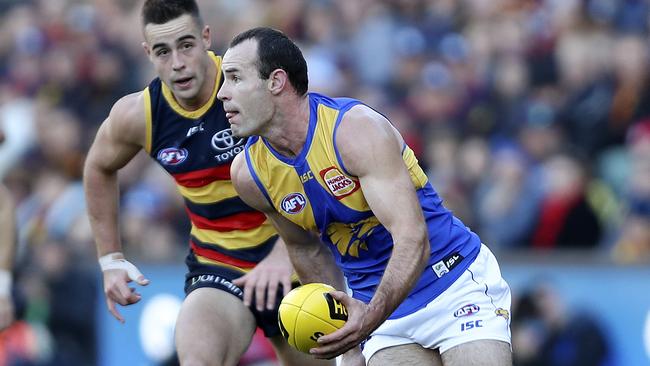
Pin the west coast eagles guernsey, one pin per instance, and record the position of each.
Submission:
(196, 149)
(315, 191)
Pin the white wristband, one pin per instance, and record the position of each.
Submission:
(5, 283)
(116, 261)
(109, 258)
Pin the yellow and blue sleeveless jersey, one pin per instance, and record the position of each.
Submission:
(315, 191)
(196, 148)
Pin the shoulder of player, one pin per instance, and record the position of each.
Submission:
(362, 120)
(361, 132)
(245, 185)
(127, 117)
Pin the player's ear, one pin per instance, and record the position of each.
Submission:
(278, 80)
(146, 48)
(205, 37)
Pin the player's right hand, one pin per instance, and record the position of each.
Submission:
(362, 321)
(117, 275)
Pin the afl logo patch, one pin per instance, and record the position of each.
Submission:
(172, 156)
(338, 183)
(467, 310)
(293, 203)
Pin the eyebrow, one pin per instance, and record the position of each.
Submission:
(181, 39)
(230, 69)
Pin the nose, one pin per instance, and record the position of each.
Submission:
(223, 94)
(177, 61)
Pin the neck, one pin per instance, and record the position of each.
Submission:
(288, 129)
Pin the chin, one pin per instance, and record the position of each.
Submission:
(238, 132)
(187, 94)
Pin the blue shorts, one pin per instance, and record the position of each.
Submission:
(202, 275)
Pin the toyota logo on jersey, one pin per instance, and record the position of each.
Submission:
(293, 203)
(172, 155)
(224, 140)
(226, 145)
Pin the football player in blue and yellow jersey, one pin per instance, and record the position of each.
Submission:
(234, 252)
(425, 291)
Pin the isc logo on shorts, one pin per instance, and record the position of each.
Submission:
(471, 325)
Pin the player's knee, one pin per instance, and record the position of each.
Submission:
(201, 360)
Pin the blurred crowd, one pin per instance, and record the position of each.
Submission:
(531, 117)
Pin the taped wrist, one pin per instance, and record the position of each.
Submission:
(116, 261)
(112, 261)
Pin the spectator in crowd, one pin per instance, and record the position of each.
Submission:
(633, 244)
(545, 332)
(566, 217)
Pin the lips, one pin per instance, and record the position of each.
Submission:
(184, 82)
(230, 113)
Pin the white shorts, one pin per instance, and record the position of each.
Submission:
(475, 307)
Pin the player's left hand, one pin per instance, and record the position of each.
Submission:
(264, 279)
(6, 312)
(361, 322)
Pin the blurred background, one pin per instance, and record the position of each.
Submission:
(531, 118)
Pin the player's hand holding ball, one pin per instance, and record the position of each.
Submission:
(316, 317)
(363, 319)
(307, 313)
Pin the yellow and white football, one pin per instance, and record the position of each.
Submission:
(309, 312)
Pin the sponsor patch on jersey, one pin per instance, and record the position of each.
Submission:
(172, 155)
(338, 183)
(293, 203)
(447, 263)
(467, 310)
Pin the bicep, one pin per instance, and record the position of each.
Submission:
(110, 151)
(121, 136)
(377, 162)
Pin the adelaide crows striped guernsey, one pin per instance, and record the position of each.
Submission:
(316, 192)
(196, 149)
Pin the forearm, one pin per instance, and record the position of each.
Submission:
(102, 197)
(315, 263)
(403, 271)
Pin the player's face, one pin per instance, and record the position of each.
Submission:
(177, 50)
(246, 97)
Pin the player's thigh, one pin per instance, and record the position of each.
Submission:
(213, 328)
(404, 355)
(290, 356)
(479, 353)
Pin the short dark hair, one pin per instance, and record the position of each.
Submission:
(162, 11)
(276, 51)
